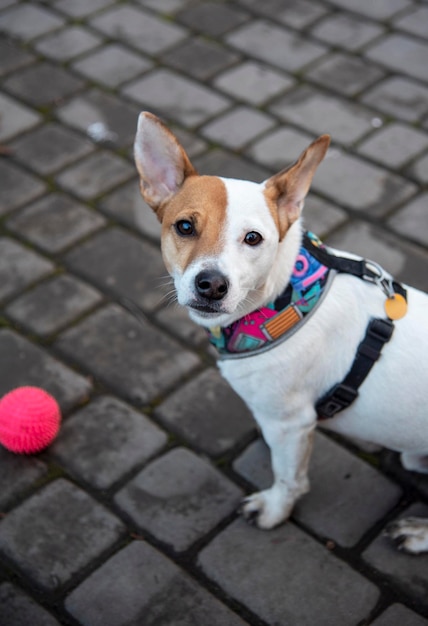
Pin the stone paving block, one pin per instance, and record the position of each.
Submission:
(199, 58)
(221, 163)
(253, 82)
(105, 440)
(408, 573)
(345, 73)
(12, 56)
(346, 30)
(17, 187)
(207, 413)
(280, 147)
(53, 304)
(401, 53)
(26, 21)
(276, 46)
(57, 532)
(20, 267)
(18, 474)
(121, 263)
(139, 29)
(17, 609)
(55, 222)
(394, 144)
(247, 563)
(398, 615)
(322, 217)
(43, 84)
(128, 355)
(140, 585)
(176, 320)
(414, 22)
(378, 10)
(164, 6)
(297, 13)
(419, 169)
(50, 147)
(15, 118)
(238, 127)
(23, 363)
(179, 498)
(412, 220)
(161, 89)
(407, 263)
(400, 97)
(119, 118)
(95, 175)
(211, 18)
(318, 112)
(112, 65)
(68, 43)
(352, 182)
(81, 8)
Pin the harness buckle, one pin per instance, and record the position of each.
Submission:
(340, 397)
(381, 329)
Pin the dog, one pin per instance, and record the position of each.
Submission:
(235, 250)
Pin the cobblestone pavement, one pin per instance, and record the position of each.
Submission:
(129, 518)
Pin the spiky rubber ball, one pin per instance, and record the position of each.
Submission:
(29, 420)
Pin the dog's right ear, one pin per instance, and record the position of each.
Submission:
(161, 161)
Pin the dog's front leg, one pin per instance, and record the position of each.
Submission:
(291, 446)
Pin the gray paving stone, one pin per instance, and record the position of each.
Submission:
(81, 8)
(279, 148)
(212, 19)
(253, 82)
(17, 609)
(20, 267)
(352, 182)
(68, 43)
(175, 319)
(237, 127)
(346, 30)
(179, 498)
(162, 89)
(414, 22)
(56, 533)
(105, 440)
(199, 58)
(26, 21)
(412, 220)
(55, 222)
(12, 56)
(321, 217)
(49, 148)
(394, 144)
(17, 187)
(248, 563)
(139, 29)
(221, 163)
(345, 73)
(318, 112)
(297, 14)
(379, 9)
(112, 65)
(398, 615)
(406, 572)
(121, 263)
(150, 589)
(274, 45)
(23, 363)
(213, 421)
(93, 107)
(164, 6)
(43, 84)
(15, 118)
(53, 304)
(153, 362)
(18, 474)
(399, 97)
(95, 175)
(419, 169)
(401, 53)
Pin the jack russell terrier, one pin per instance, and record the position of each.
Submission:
(299, 326)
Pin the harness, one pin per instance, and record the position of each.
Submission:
(312, 276)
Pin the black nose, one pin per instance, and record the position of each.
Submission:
(211, 284)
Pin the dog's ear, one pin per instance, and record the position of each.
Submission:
(289, 188)
(161, 162)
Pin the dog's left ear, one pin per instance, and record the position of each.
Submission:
(289, 188)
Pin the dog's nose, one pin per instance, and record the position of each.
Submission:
(211, 284)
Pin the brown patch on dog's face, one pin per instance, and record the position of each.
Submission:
(202, 201)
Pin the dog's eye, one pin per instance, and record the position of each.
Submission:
(184, 228)
(253, 239)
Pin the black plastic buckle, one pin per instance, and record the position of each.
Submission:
(381, 329)
(339, 398)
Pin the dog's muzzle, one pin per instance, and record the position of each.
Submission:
(211, 285)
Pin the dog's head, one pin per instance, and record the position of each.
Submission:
(228, 244)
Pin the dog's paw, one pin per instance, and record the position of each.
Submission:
(266, 509)
(409, 535)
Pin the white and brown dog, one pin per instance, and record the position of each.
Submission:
(244, 269)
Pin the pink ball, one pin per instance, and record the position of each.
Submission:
(29, 420)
